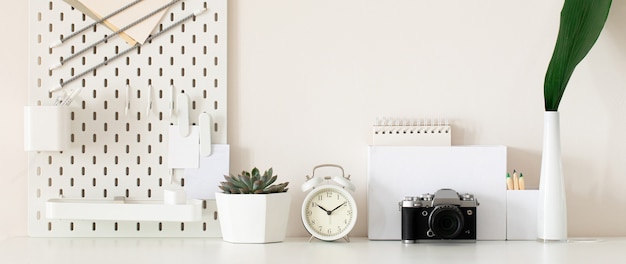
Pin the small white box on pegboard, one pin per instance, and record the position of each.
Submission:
(46, 128)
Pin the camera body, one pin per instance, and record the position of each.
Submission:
(443, 216)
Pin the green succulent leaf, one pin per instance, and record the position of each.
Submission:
(234, 181)
(258, 185)
(270, 181)
(246, 180)
(580, 26)
(224, 188)
(264, 178)
(255, 171)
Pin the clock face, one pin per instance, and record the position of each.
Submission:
(329, 212)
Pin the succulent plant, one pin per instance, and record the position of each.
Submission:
(253, 183)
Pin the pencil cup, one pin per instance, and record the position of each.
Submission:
(46, 128)
(521, 214)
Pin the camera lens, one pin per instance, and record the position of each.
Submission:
(446, 221)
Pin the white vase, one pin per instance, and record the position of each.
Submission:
(551, 207)
(253, 218)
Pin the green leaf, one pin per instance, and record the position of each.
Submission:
(272, 180)
(245, 178)
(258, 185)
(254, 177)
(580, 26)
(236, 181)
(264, 178)
(255, 172)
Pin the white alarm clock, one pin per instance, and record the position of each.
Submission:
(329, 211)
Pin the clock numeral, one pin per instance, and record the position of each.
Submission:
(313, 221)
(349, 212)
(309, 213)
(319, 197)
(329, 231)
(338, 228)
(329, 194)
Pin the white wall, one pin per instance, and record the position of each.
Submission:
(13, 159)
(308, 78)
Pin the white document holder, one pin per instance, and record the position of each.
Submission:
(398, 171)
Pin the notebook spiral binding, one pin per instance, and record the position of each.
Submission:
(412, 132)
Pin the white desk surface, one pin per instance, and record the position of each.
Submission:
(20, 250)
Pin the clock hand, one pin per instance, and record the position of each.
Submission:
(331, 211)
(327, 212)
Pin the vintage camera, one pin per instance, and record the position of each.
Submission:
(443, 216)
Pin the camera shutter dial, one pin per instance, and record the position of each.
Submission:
(427, 197)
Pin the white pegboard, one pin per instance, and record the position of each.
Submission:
(114, 153)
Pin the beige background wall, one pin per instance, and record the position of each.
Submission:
(308, 78)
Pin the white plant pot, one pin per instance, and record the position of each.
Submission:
(253, 218)
(552, 208)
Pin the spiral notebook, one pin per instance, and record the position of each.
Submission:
(412, 132)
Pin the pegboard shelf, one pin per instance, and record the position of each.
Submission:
(123, 210)
(119, 119)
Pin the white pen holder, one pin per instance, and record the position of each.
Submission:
(521, 214)
(46, 128)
